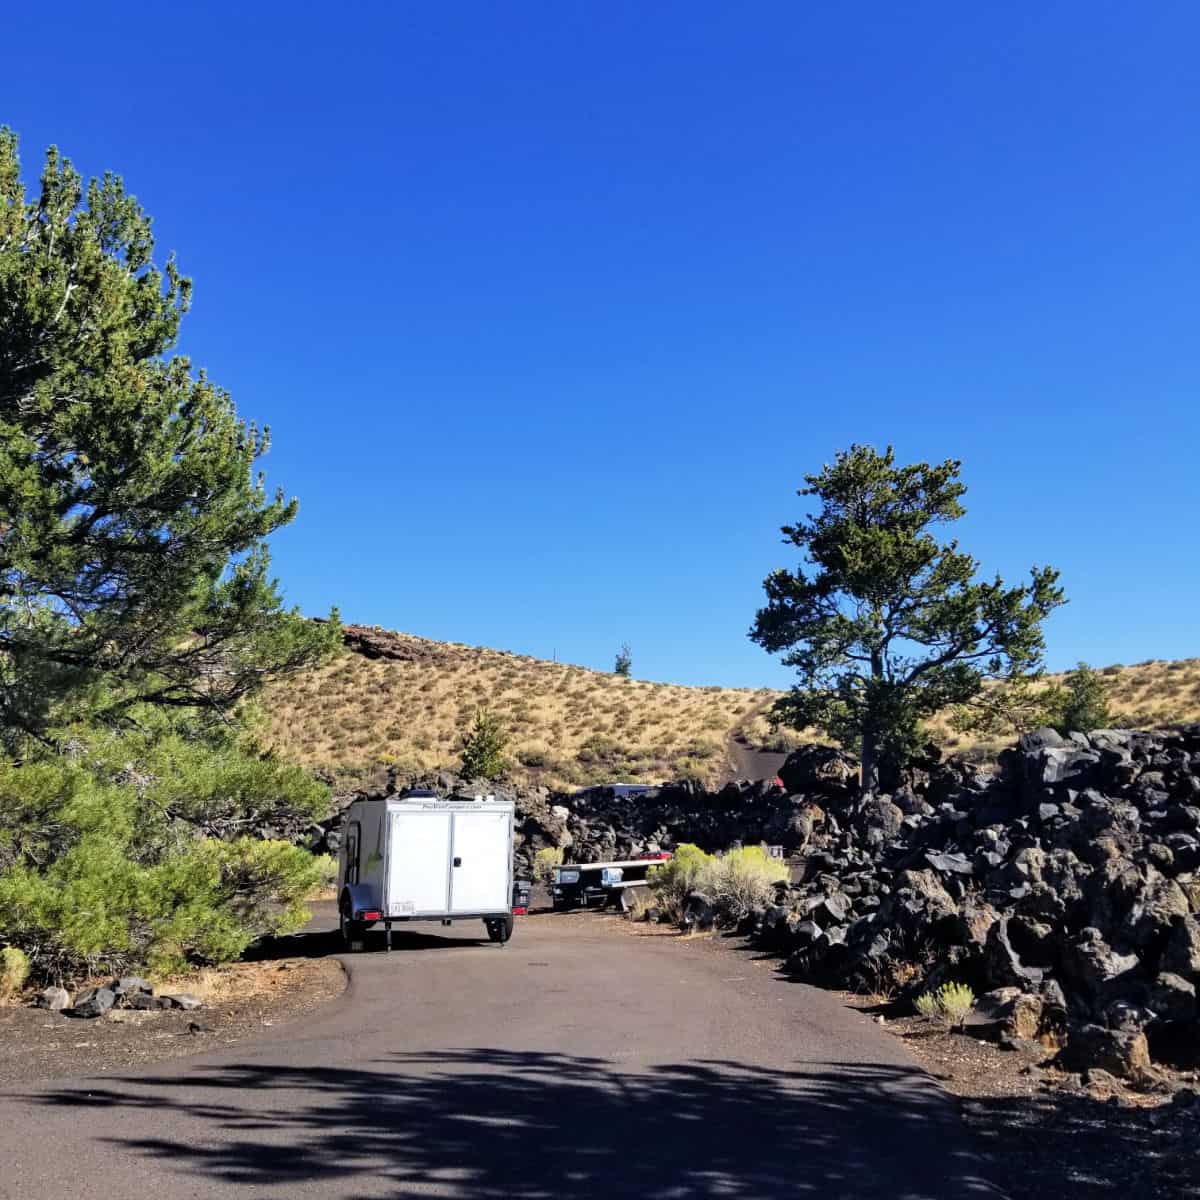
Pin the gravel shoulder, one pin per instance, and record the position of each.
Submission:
(239, 1001)
(1056, 1133)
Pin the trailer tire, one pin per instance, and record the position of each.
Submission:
(352, 931)
(499, 929)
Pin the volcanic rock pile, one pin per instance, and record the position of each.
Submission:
(1061, 883)
(1065, 885)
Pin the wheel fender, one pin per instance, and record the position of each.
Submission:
(357, 897)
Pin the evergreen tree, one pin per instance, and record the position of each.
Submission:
(132, 563)
(891, 625)
(140, 821)
(1085, 705)
(624, 663)
(483, 749)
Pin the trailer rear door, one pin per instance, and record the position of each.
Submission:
(418, 859)
(479, 879)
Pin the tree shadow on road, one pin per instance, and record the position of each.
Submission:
(321, 938)
(1075, 1145)
(530, 1125)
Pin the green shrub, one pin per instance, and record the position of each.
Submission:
(737, 882)
(14, 971)
(927, 1005)
(132, 852)
(951, 1003)
(741, 881)
(680, 875)
(692, 769)
(782, 741)
(544, 862)
(205, 901)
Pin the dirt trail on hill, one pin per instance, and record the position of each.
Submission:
(744, 761)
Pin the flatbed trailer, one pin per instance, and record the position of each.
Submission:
(600, 884)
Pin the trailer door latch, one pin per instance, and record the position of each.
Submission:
(458, 862)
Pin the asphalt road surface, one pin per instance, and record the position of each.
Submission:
(743, 761)
(574, 1062)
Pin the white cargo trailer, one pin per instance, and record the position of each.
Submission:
(415, 857)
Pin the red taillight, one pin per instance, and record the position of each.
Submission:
(519, 912)
(372, 916)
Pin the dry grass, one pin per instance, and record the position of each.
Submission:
(1148, 695)
(570, 726)
(235, 982)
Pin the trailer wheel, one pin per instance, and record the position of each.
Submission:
(352, 931)
(500, 929)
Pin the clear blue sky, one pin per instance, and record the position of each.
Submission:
(551, 306)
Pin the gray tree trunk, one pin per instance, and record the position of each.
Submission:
(870, 765)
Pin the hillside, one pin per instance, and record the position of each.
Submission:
(396, 698)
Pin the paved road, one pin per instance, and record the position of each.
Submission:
(743, 761)
(575, 1062)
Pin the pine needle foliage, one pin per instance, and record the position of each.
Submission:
(890, 625)
(141, 824)
(483, 755)
(132, 563)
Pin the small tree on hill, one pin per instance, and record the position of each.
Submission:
(624, 663)
(483, 751)
(1085, 705)
(891, 625)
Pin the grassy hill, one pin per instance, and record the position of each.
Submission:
(395, 698)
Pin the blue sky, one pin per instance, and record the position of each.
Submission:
(551, 306)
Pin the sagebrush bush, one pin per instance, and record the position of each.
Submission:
(927, 1005)
(678, 876)
(14, 971)
(951, 1003)
(737, 882)
(741, 881)
(544, 862)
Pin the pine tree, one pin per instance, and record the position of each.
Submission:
(624, 662)
(132, 559)
(1085, 704)
(891, 625)
(483, 749)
